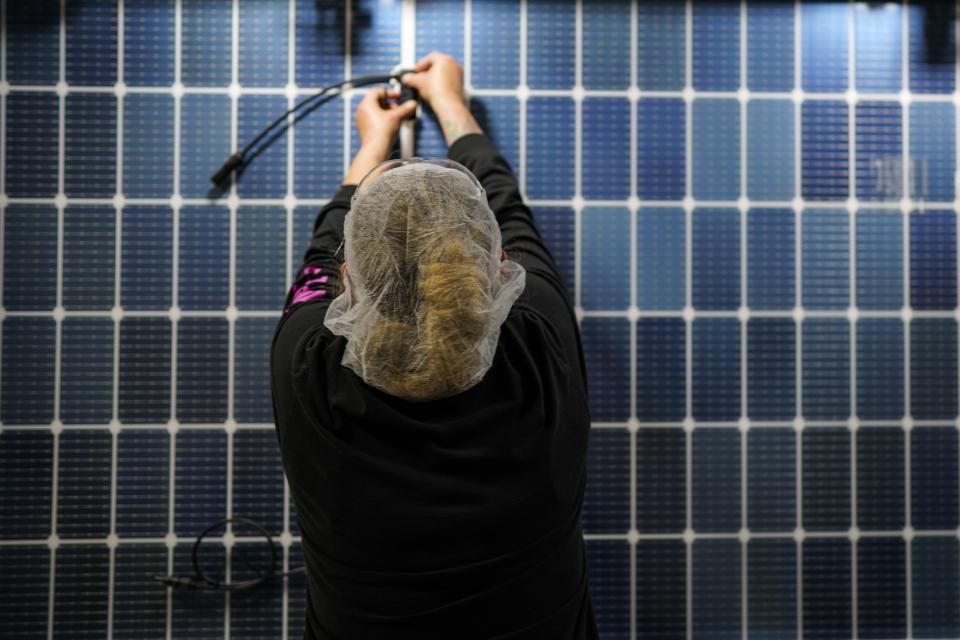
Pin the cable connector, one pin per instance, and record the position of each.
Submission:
(232, 163)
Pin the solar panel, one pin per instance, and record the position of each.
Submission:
(753, 203)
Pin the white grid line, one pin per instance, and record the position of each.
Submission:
(688, 311)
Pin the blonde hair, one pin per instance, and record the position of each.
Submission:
(425, 342)
(426, 291)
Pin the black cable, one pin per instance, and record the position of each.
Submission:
(235, 161)
(201, 581)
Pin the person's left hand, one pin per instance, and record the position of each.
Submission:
(378, 120)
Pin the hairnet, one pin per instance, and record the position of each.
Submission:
(425, 291)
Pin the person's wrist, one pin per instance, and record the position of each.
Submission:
(449, 106)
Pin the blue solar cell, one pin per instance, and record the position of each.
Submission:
(771, 368)
(265, 173)
(254, 615)
(825, 139)
(933, 368)
(144, 393)
(146, 258)
(318, 152)
(263, 44)
(261, 257)
(204, 141)
(825, 43)
(143, 477)
(200, 493)
(296, 592)
(148, 43)
(770, 150)
(258, 478)
(606, 149)
(91, 55)
(716, 369)
(880, 478)
(32, 46)
(605, 261)
(495, 36)
(879, 259)
(826, 369)
(550, 148)
(204, 276)
(26, 472)
(932, 151)
(716, 149)
(499, 117)
(375, 45)
(608, 563)
(770, 47)
(24, 591)
(661, 259)
(772, 589)
(139, 608)
(556, 226)
(202, 369)
(716, 479)
(716, 596)
(661, 369)
(90, 155)
(826, 479)
(771, 479)
(206, 42)
(933, 478)
(30, 257)
(550, 34)
(252, 401)
(826, 588)
(770, 259)
(879, 151)
(606, 345)
(439, 28)
(881, 588)
(935, 586)
(320, 32)
(661, 149)
(27, 381)
(933, 260)
(83, 484)
(930, 73)
(661, 589)
(32, 139)
(826, 259)
(661, 480)
(606, 45)
(89, 235)
(716, 45)
(606, 503)
(716, 259)
(81, 591)
(878, 48)
(193, 616)
(148, 146)
(879, 368)
(661, 46)
(86, 371)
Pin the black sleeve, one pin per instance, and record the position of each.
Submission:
(521, 240)
(318, 278)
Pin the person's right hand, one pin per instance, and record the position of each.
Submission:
(438, 79)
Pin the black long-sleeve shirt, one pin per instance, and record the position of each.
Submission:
(454, 518)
